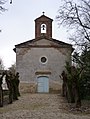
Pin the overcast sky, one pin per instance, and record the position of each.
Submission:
(17, 25)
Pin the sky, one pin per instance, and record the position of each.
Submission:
(17, 25)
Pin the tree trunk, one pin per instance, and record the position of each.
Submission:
(78, 98)
(1, 97)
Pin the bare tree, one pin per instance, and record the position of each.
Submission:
(75, 16)
(3, 9)
(1, 64)
(12, 69)
(10, 1)
(2, 2)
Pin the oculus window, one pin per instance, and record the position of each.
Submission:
(43, 59)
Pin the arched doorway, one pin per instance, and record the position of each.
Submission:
(43, 84)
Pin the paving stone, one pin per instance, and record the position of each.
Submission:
(39, 106)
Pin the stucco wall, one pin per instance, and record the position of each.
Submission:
(28, 63)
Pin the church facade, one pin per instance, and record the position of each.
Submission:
(40, 61)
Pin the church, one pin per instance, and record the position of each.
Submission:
(40, 61)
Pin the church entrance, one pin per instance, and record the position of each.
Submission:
(43, 84)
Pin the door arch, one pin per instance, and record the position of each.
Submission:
(42, 84)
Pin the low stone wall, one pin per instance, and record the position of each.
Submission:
(54, 87)
(27, 87)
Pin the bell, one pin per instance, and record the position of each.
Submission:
(43, 27)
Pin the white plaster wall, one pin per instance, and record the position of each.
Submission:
(28, 62)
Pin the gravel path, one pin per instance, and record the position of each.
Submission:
(39, 106)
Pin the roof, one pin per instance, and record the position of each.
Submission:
(31, 43)
(43, 16)
(34, 40)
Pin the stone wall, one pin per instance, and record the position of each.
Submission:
(29, 63)
(30, 67)
(32, 87)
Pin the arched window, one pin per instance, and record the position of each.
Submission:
(43, 28)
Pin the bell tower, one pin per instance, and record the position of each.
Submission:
(43, 27)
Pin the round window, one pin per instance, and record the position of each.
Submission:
(43, 59)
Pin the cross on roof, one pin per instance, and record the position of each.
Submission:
(43, 13)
